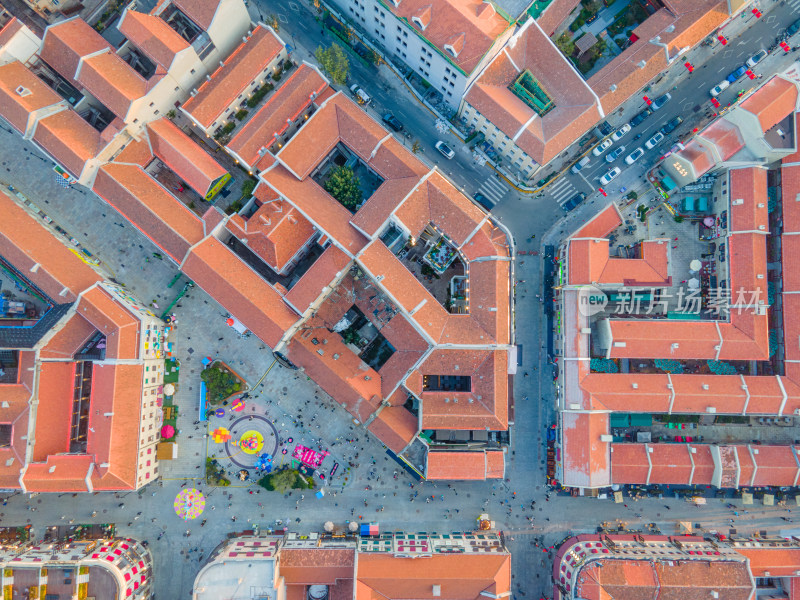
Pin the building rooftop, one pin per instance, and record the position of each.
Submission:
(22, 93)
(112, 81)
(245, 65)
(65, 43)
(68, 139)
(150, 34)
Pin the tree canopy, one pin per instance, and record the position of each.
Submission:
(343, 185)
(334, 62)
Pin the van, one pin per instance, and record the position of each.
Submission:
(579, 165)
(360, 95)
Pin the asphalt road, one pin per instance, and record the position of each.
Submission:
(547, 521)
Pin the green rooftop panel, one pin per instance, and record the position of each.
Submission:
(528, 89)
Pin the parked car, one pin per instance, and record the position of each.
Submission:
(736, 74)
(757, 58)
(608, 177)
(660, 101)
(573, 202)
(360, 95)
(719, 88)
(634, 156)
(393, 122)
(615, 154)
(484, 201)
(671, 125)
(617, 135)
(579, 165)
(793, 28)
(602, 147)
(446, 150)
(639, 117)
(654, 141)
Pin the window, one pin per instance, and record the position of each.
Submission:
(155, 112)
(192, 71)
(177, 88)
(152, 104)
(136, 120)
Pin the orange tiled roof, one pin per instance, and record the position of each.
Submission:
(470, 26)
(10, 29)
(62, 473)
(458, 466)
(153, 36)
(116, 389)
(113, 320)
(772, 102)
(53, 413)
(246, 64)
(276, 231)
(395, 426)
(629, 464)
(184, 156)
(590, 262)
(603, 223)
(495, 464)
(587, 461)
(202, 13)
(243, 293)
(778, 562)
(112, 81)
(15, 107)
(575, 105)
(69, 139)
(66, 42)
(316, 280)
(750, 186)
(301, 89)
(66, 342)
(725, 138)
(25, 243)
(316, 566)
(383, 575)
(135, 153)
(671, 464)
(775, 465)
(790, 191)
(150, 207)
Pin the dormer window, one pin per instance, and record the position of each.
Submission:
(451, 50)
(418, 23)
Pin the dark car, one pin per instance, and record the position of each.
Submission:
(640, 117)
(736, 74)
(573, 202)
(393, 122)
(671, 125)
(794, 27)
(483, 201)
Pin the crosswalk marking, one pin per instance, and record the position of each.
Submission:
(562, 190)
(795, 4)
(493, 189)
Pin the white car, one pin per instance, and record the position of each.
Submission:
(615, 154)
(757, 58)
(719, 88)
(445, 150)
(634, 156)
(617, 135)
(608, 177)
(654, 141)
(602, 147)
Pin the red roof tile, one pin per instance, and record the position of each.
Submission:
(775, 465)
(469, 26)
(286, 104)
(15, 107)
(74, 332)
(575, 105)
(671, 464)
(113, 320)
(275, 231)
(112, 81)
(69, 139)
(725, 138)
(586, 460)
(202, 13)
(246, 64)
(395, 426)
(316, 280)
(25, 243)
(790, 193)
(457, 466)
(66, 42)
(703, 464)
(778, 562)
(153, 36)
(64, 473)
(184, 156)
(116, 389)
(629, 463)
(750, 186)
(772, 102)
(135, 153)
(54, 410)
(602, 224)
(150, 207)
(243, 293)
(9, 30)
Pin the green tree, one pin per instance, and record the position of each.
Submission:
(343, 185)
(219, 384)
(334, 62)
